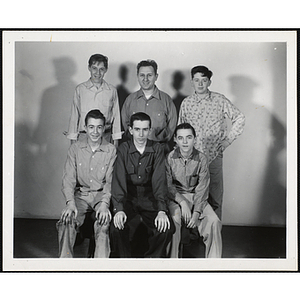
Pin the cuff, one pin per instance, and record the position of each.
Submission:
(117, 136)
(72, 136)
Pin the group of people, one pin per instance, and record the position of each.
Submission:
(120, 176)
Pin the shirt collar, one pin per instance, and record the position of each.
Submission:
(89, 84)
(177, 153)
(103, 147)
(197, 98)
(155, 94)
(148, 148)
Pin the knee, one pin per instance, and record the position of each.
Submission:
(101, 228)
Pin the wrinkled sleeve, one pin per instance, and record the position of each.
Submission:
(181, 115)
(159, 181)
(75, 116)
(237, 118)
(172, 191)
(119, 183)
(69, 175)
(124, 113)
(108, 178)
(202, 188)
(172, 120)
(116, 130)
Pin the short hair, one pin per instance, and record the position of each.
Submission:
(184, 126)
(147, 63)
(203, 70)
(98, 58)
(95, 114)
(139, 116)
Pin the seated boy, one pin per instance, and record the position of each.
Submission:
(139, 187)
(188, 185)
(87, 187)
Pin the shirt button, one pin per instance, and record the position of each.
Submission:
(91, 169)
(139, 176)
(140, 163)
(91, 180)
(147, 104)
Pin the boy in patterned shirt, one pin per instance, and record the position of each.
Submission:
(207, 111)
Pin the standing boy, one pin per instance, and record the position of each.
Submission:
(207, 111)
(87, 187)
(188, 184)
(139, 188)
(96, 93)
(152, 101)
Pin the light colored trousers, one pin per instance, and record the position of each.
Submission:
(209, 227)
(67, 233)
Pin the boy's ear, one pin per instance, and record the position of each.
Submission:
(130, 130)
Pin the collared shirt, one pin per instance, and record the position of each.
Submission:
(88, 171)
(139, 180)
(159, 107)
(208, 117)
(88, 97)
(185, 176)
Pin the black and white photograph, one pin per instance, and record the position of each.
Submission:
(149, 150)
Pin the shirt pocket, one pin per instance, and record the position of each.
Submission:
(193, 180)
(130, 170)
(101, 170)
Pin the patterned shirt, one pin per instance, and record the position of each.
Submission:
(88, 97)
(86, 171)
(139, 179)
(159, 107)
(188, 176)
(208, 117)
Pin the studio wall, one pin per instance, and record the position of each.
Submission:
(251, 75)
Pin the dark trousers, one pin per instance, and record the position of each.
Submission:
(157, 241)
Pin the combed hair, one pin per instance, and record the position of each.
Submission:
(139, 116)
(95, 114)
(147, 63)
(98, 58)
(203, 70)
(185, 126)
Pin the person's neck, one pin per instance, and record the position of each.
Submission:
(140, 147)
(94, 146)
(97, 84)
(202, 96)
(186, 155)
(149, 93)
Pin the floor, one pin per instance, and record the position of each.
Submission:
(37, 238)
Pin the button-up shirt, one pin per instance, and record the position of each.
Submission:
(208, 117)
(87, 97)
(88, 171)
(139, 180)
(159, 107)
(188, 176)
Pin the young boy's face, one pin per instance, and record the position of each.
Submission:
(185, 141)
(140, 132)
(97, 71)
(200, 83)
(94, 129)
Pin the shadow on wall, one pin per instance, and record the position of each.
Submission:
(262, 158)
(39, 169)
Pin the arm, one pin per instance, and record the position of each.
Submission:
(125, 117)
(119, 183)
(237, 118)
(175, 195)
(116, 126)
(75, 116)
(181, 115)
(103, 214)
(159, 182)
(202, 188)
(69, 184)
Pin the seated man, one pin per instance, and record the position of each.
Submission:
(139, 188)
(87, 187)
(188, 185)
